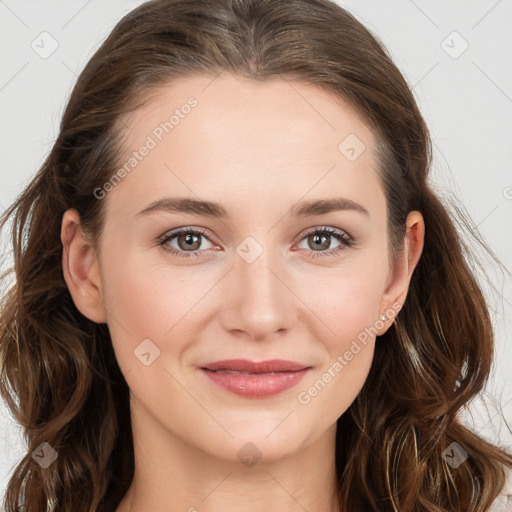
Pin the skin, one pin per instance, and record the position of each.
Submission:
(258, 149)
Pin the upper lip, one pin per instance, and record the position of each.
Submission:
(244, 365)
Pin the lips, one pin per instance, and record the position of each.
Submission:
(255, 379)
(250, 367)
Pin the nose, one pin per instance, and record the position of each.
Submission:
(259, 299)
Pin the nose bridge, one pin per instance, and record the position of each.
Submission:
(259, 302)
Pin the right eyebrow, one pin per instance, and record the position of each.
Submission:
(186, 205)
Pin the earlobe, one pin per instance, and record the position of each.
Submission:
(81, 269)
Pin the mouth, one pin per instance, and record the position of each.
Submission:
(255, 379)
(252, 367)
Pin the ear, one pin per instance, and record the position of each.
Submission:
(81, 269)
(401, 273)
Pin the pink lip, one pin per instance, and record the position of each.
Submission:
(255, 379)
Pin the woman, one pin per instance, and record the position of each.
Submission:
(235, 289)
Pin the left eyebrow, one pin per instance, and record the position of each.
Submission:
(321, 206)
(214, 209)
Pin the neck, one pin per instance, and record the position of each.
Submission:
(175, 476)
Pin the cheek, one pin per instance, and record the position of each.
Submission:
(140, 304)
(346, 300)
(348, 344)
(147, 300)
(347, 305)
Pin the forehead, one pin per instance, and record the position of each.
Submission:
(278, 137)
(231, 104)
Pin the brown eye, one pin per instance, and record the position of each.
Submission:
(319, 241)
(183, 241)
(189, 241)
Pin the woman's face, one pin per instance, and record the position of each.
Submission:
(259, 282)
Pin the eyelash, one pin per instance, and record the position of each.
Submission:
(346, 240)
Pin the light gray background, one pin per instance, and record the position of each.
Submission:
(466, 99)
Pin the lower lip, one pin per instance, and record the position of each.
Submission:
(256, 385)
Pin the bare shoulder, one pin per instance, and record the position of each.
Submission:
(507, 488)
(503, 502)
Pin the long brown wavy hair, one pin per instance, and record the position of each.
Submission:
(59, 374)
